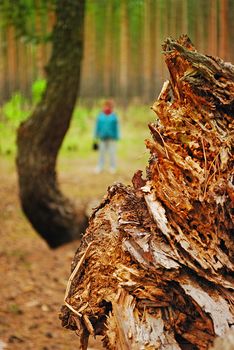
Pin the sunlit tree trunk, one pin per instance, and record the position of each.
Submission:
(11, 58)
(40, 137)
(22, 64)
(107, 69)
(124, 46)
(213, 32)
(157, 62)
(115, 52)
(2, 63)
(29, 66)
(172, 17)
(165, 30)
(88, 73)
(147, 52)
(223, 35)
(200, 39)
(138, 56)
(184, 16)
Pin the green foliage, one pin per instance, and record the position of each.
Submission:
(12, 114)
(13, 110)
(38, 88)
(22, 15)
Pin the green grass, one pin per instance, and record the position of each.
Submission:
(7, 138)
(79, 138)
(133, 130)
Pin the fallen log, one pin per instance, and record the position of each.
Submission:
(155, 267)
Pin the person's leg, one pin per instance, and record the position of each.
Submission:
(101, 159)
(112, 154)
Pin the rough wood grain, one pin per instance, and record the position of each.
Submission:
(158, 273)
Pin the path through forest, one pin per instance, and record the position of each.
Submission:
(33, 277)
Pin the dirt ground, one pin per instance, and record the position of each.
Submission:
(33, 277)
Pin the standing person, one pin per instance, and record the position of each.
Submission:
(107, 131)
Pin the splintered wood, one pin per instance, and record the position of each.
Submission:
(155, 266)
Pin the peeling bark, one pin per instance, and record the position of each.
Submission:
(155, 267)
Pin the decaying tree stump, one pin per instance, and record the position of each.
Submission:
(155, 267)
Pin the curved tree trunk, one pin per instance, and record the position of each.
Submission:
(40, 137)
(155, 267)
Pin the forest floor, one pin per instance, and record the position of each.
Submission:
(33, 277)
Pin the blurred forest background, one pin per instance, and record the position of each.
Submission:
(122, 55)
(122, 59)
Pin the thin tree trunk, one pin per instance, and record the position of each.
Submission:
(155, 267)
(11, 58)
(40, 49)
(124, 47)
(22, 71)
(184, 16)
(165, 30)
(40, 137)
(213, 32)
(147, 52)
(29, 67)
(200, 30)
(157, 62)
(2, 63)
(108, 49)
(88, 74)
(223, 36)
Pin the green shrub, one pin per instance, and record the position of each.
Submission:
(79, 138)
(14, 110)
(38, 89)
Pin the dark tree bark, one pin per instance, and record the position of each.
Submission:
(155, 267)
(40, 137)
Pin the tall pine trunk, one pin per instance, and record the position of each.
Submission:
(89, 71)
(147, 52)
(11, 58)
(124, 53)
(108, 49)
(40, 137)
(213, 33)
(223, 36)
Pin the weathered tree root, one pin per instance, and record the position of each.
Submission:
(156, 263)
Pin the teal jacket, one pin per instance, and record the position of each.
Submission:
(107, 126)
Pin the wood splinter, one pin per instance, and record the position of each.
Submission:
(155, 266)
